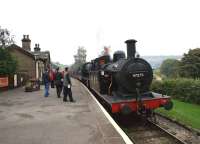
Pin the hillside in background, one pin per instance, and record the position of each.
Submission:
(156, 61)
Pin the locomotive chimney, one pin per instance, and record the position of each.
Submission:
(131, 50)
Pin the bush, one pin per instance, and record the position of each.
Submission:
(187, 90)
(8, 64)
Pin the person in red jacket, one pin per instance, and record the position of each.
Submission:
(52, 77)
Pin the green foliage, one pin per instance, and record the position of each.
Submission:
(187, 90)
(157, 86)
(190, 64)
(7, 64)
(55, 65)
(188, 67)
(5, 37)
(170, 68)
(81, 55)
(185, 113)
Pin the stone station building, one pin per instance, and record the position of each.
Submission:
(30, 64)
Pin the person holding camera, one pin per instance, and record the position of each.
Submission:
(67, 87)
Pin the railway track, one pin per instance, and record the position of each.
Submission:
(144, 131)
(141, 130)
(181, 131)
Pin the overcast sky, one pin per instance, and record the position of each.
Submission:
(161, 27)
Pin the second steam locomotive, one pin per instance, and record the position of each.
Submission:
(123, 83)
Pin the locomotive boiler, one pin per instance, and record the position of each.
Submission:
(124, 83)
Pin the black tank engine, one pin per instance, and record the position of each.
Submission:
(124, 83)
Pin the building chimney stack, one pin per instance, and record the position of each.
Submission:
(26, 43)
(37, 48)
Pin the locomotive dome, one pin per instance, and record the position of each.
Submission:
(118, 55)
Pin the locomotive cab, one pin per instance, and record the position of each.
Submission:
(98, 78)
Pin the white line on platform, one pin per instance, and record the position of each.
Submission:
(118, 129)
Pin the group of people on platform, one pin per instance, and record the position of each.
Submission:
(62, 82)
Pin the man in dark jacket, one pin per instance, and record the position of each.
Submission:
(58, 82)
(67, 86)
(46, 82)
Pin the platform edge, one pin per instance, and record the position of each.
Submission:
(118, 129)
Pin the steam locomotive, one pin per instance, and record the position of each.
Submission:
(124, 83)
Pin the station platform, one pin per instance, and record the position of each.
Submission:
(30, 118)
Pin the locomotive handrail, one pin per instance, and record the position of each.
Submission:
(109, 89)
(139, 99)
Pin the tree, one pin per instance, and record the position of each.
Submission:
(81, 55)
(7, 64)
(5, 38)
(55, 65)
(190, 64)
(79, 58)
(170, 68)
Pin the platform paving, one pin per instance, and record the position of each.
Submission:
(30, 118)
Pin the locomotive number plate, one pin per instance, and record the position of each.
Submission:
(138, 75)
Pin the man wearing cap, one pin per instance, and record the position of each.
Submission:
(58, 82)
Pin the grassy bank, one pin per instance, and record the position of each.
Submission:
(188, 114)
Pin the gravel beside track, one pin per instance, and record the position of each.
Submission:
(185, 134)
(143, 131)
